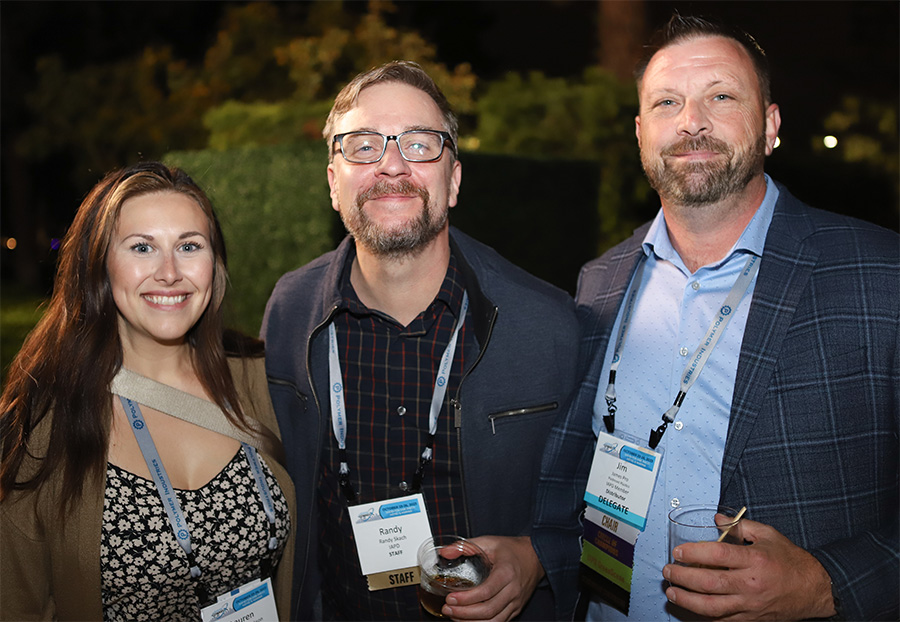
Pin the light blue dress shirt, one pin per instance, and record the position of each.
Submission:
(673, 311)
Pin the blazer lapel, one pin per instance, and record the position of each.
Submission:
(601, 292)
(786, 267)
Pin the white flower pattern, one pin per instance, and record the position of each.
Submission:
(144, 572)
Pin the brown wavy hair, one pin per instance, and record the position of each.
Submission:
(68, 361)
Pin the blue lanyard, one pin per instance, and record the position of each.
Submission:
(338, 410)
(698, 359)
(170, 499)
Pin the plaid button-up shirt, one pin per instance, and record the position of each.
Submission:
(389, 373)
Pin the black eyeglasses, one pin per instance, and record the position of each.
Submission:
(415, 145)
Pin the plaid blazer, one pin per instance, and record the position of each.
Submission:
(812, 445)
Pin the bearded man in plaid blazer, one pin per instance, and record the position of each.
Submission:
(798, 416)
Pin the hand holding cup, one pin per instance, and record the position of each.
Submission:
(449, 564)
(704, 523)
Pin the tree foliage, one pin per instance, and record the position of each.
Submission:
(590, 117)
(868, 132)
(265, 79)
(270, 75)
(105, 115)
(241, 64)
(318, 65)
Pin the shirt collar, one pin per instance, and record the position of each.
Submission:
(453, 287)
(450, 293)
(752, 240)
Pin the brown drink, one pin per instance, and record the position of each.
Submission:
(448, 564)
(433, 591)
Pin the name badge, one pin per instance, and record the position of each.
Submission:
(388, 534)
(623, 474)
(622, 477)
(254, 600)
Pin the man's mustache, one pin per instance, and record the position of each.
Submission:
(698, 143)
(385, 188)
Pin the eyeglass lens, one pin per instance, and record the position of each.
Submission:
(415, 146)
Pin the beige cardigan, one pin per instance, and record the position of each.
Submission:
(50, 568)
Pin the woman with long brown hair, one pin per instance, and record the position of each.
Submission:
(130, 485)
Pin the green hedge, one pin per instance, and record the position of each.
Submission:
(276, 213)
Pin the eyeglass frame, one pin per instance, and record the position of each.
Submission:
(445, 138)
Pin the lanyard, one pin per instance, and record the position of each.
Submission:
(170, 500)
(698, 359)
(610, 419)
(338, 403)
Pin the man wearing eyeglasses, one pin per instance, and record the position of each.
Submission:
(412, 360)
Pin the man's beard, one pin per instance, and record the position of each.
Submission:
(408, 239)
(703, 183)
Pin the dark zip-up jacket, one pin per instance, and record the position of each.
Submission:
(521, 373)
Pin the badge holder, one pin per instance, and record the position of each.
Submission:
(620, 485)
(255, 600)
(388, 534)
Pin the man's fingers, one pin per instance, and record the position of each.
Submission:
(704, 580)
(718, 607)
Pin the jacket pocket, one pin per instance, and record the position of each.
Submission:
(282, 390)
(506, 415)
(289, 402)
(291, 407)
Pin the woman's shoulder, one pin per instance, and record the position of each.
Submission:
(249, 376)
(23, 506)
(246, 362)
(37, 445)
(239, 345)
(248, 373)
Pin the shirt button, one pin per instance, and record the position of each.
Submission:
(679, 425)
(695, 285)
(404, 486)
(401, 411)
(675, 502)
(683, 351)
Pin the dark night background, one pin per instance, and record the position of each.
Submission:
(819, 52)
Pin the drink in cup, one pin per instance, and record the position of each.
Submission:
(704, 523)
(449, 564)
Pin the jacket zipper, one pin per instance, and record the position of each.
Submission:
(312, 390)
(520, 411)
(457, 419)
